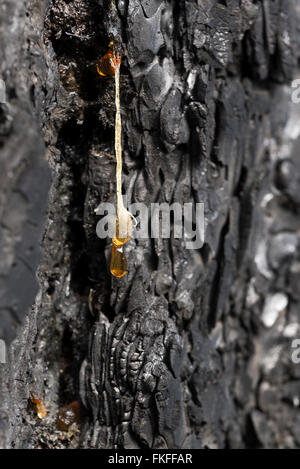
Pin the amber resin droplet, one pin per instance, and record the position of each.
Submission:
(118, 262)
(108, 63)
(119, 241)
(39, 406)
(67, 416)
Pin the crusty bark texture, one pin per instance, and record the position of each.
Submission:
(192, 349)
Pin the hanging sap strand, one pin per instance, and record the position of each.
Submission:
(109, 66)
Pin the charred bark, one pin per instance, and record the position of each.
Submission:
(188, 350)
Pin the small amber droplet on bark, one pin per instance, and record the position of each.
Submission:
(68, 415)
(39, 406)
(118, 262)
(108, 64)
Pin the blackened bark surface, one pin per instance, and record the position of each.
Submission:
(192, 348)
(24, 175)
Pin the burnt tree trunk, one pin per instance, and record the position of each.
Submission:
(192, 348)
